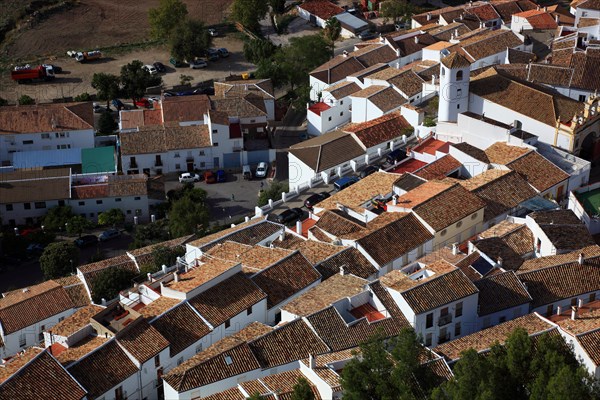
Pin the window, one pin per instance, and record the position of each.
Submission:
(329, 119)
(443, 71)
(227, 324)
(98, 201)
(137, 198)
(199, 348)
(342, 114)
(215, 131)
(201, 153)
(119, 393)
(47, 135)
(538, 245)
(91, 215)
(502, 319)
(516, 312)
(459, 75)
(157, 360)
(61, 203)
(458, 106)
(582, 97)
(22, 340)
(459, 92)
(429, 320)
(215, 144)
(82, 203)
(118, 199)
(27, 206)
(9, 207)
(573, 302)
(592, 297)
(458, 310)
(138, 211)
(341, 102)
(176, 155)
(277, 317)
(457, 329)
(179, 360)
(27, 141)
(474, 216)
(128, 212)
(428, 339)
(459, 224)
(40, 204)
(252, 121)
(177, 166)
(60, 319)
(549, 310)
(249, 310)
(443, 233)
(228, 360)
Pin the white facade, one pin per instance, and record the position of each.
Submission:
(332, 118)
(581, 12)
(499, 317)
(454, 93)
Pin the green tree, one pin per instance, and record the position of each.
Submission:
(25, 100)
(302, 391)
(255, 396)
(333, 29)
(108, 86)
(110, 282)
(303, 54)
(107, 124)
(56, 218)
(187, 216)
(249, 12)
(152, 233)
(112, 217)
(136, 79)
(272, 192)
(77, 224)
(59, 259)
(278, 6)
(268, 69)
(190, 40)
(185, 79)
(166, 17)
(162, 255)
(396, 10)
(256, 50)
(85, 96)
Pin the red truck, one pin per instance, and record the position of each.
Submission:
(30, 74)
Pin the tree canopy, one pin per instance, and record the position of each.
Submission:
(191, 39)
(302, 391)
(273, 191)
(256, 50)
(333, 29)
(162, 255)
(107, 123)
(107, 86)
(110, 282)
(397, 10)
(77, 224)
(166, 17)
(56, 218)
(25, 100)
(152, 233)
(249, 12)
(189, 214)
(59, 259)
(112, 217)
(136, 79)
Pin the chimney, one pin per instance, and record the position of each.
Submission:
(299, 227)
(282, 235)
(343, 270)
(311, 361)
(538, 7)
(581, 259)
(558, 310)
(103, 301)
(556, 18)
(574, 313)
(499, 261)
(395, 200)
(246, 219)
(454, 249)
(345, 53)
(417, 39)
(579, 303)
(25, 290)
(164, 269)
(149, 276)
(175, 276)
(428, 16)
(545, 9)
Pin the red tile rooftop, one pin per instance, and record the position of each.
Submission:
(318, 108)
(431, 145)
(306, 225)
(368, 311)
(409, 166)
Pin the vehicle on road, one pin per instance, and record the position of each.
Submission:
(247, 172)
(98, 109)
(213, 32)
(198, 64)
(160, 67)
(290, 216)
(151, 69)
(35, 248)
(143, 102)
(210, 177)
(118, 104)
(396, 155)
(176, 63)
(212, 54)
(221, 176)
(86, 240)
(370, 169)
(367, 35)
(109, 234)
(85, 56)
(28, 74)
(223, 52)
(189, 177)
(207, 90)
(261, 170)
(315, 199)
(344, 182)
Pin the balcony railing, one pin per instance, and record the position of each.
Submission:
(443, 339)
(189, 159)
(445, 320)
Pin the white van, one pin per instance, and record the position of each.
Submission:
(247, 172)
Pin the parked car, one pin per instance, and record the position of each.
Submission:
(247, 172)
(370, 169)
(198, 64)
(143, 102)
(213, 32)
(223, 52)
(212, 54)
(160, 67)
(176, 63)
(290, 216)
(188, 177)
(118, 104)
(210, 177)
(394, 156)
(98, 109)
(221, 177)
(344, 182)
(207, 90)
(35, 248)
(151, 69)
(109, 234)
(86, 240)
(367, 35)
(315, 199)
(261, 170)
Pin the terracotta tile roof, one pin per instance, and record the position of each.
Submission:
(375, 54)
(342, 89)
(46, 118)
(173, 243)
(79, 350)
(538, 171)
(142, 340)
(91, 271)
(286, 278)
(224, 233)
(500, 292)
(115, 186)
(42, 378)
(15, 363)
(258, 258)
(323, 367)
(491, 44)
(550, 261)
(379, 130)
(185, 108)
(182, 327)
(506, 10)
(589, 5)
(327, 150)
(218, 117)
(353, 261)
(321, 8)
(227, 299)
(439, 168)
(337, 69)
(444, 253)
(472, 151)
(455, 60)
(323, 295)
(527, 98)
(411, 45)
(563, 229)
(314, 251)
(502, 153)
(76, 321)
(551, 284)
(247, 106)
(260, 87)
(367, 72)
(355, 196)
(290, 342)
(369, 91)
(408, 82)
(538, 19)
(75, 290)
(229, 394)
(197, 276)
(158, 307)
(283, 384)
(483, 340)
(422, 193)
(520, 57)
(387, 100)
(161, 139)
(395, 239)
(33, 305)
(587, 319)
(24, 186)
(103, 369)
(591, 344)
(408, 182)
